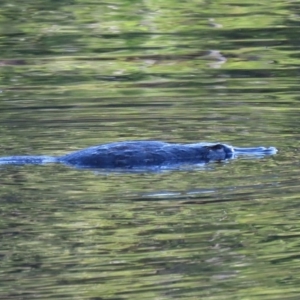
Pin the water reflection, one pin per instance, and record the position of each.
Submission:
(78, 74)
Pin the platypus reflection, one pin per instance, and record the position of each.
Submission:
(142, 155)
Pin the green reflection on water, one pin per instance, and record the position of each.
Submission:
(78, 74)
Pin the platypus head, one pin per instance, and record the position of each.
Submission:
(220, 152)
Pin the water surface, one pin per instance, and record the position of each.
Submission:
(77, 74)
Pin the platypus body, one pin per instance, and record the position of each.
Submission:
(142, 155)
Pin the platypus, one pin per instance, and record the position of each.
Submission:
(142, 155)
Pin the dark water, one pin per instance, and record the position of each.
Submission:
(79, 73)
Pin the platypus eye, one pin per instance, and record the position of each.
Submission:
(217, 147)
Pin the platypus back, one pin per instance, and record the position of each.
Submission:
(145, 154)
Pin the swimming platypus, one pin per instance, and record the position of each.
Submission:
(142, 155)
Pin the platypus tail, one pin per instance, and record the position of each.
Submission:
(27, 160)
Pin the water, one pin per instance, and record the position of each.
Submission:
(76, 74)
